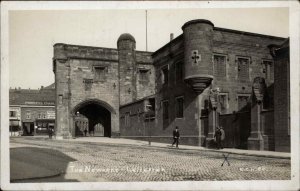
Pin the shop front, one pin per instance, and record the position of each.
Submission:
(43, 126)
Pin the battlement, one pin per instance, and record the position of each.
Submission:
(68, 51)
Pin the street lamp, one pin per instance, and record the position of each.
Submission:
(148, 108)
(213, 96)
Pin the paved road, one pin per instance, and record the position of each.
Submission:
(64, 160)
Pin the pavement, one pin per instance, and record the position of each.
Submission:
(122, 141)
(271, 154)
(54, 169)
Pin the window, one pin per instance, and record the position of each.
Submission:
(60, 99)
(39, 116)
(243, 68)
(179, 107)
(100, 73)
(223, 101)
(44, 116)
(268, 70)
(165, 105)
(179, 71)
(143, 75)
(28, 115)
(12, 113)
(243, 102)
(165, 75)
(219, 65)
(127, 119)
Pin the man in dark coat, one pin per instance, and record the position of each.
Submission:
(176, 136)
(50, 132)
(218, 135)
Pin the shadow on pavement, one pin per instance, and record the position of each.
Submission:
(31, 164)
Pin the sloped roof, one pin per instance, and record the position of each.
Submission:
(45, 96)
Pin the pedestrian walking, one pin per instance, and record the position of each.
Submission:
(218, 137)
(176, 137)
(50, 132)
(85, 132)
(222, 137)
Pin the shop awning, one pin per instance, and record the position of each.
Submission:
(14, 123)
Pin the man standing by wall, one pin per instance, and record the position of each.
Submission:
(218, 137)
(222, 137)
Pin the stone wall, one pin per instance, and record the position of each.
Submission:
(145, 81)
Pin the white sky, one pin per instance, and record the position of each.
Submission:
(33, 33)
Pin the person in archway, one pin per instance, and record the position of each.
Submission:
(176, 136)
(85, 132)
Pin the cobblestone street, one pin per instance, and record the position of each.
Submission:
(86, 161)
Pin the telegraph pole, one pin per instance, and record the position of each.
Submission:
(146, 30)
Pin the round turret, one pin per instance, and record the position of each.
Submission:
(127, 68)
(198, 36)
(125, 41)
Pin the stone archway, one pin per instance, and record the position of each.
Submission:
(96, 111)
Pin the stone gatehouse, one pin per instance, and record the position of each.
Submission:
(95, 81)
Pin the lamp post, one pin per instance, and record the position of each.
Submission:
(259, 94)
(148, 108)
(214, 93)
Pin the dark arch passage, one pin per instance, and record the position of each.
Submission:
(95, 113)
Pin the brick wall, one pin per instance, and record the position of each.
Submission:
(234, 45)
(282, 99)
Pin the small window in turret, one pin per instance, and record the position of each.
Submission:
(100, 73)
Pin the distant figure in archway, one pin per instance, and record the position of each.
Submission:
(85, 132)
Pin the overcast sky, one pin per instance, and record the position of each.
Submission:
(33, 33)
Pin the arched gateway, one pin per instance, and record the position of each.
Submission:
(97, 112)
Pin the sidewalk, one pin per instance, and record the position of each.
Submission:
(123, 141)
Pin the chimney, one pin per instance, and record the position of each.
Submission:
(171, 36)
(42, 87)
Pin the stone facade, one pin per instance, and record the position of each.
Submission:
(206, 57)
(96, 81)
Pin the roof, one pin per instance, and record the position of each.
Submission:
(197, 21)
(32, 96)
(215, 29)
(51, 86)
(126, 36)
